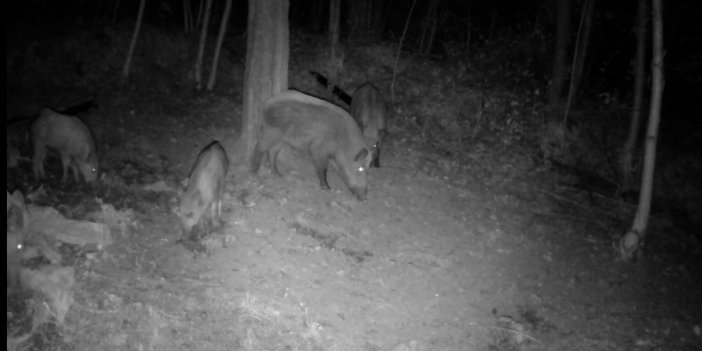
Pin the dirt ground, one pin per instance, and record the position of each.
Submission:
(437, 258)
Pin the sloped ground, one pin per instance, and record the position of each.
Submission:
(438, 258)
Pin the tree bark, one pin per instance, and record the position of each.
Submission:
(469, 27)
(201, 46)
(579, 54)
(631, 242)
(377, 20)
(399, 50)
(132, 45)
(318, 14)
(114, 12)
(334, 24)
(582, 49)
(365, 19)
(187, 17)
(560, 52)
(267, 56)
(218, 46)
(199, 14)
(335, 62)
(631, 141)
(429, 27)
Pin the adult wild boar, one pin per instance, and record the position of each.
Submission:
(325, 131)
(71, 138)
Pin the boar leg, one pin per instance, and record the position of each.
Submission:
(376, 157)
(273, 158)
(66, 162)
(76, 171)
(321, 162)
(38, 161)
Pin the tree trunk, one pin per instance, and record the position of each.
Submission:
(218, 46)
(429, 27)
(132, 45)
(589, 8)
(199, 14)
(334, 24)
(559, 59)
(378, 17)
(317, 14)
(355, 17)
(266, 74)
(114, 13)
(631, 242)
(628, 150)
(335, 63)
(201, 46)
(187, 17)
(399, 50)
(579, 55)
(469, 27)
(365, 19)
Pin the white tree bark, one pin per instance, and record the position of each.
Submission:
(625, 160)
(132, 45)
(218, 46)
(630, 244)
(201, 46)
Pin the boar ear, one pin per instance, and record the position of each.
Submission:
(361, 155)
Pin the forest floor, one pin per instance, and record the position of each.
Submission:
(437, 258)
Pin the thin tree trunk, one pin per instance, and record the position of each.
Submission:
(351, 18)
(334, 24)
(199, 14)
(187, 16)
(469, 27)
(579, 55)
(628, 150)
(429, 27)
(336, 59)
(201, 46)
(317, 14)
(377, 19)
(218, 46)
(132, 45)
(267, 54)
(356, 16)
(584, 45)
(399, 50)
(365, 19)
(631, 242)
(561, 51)
(432, 29)
(114, 12)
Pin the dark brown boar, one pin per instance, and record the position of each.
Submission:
(369, 110)
(73, 140)
(205, 187)
(324, 130)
